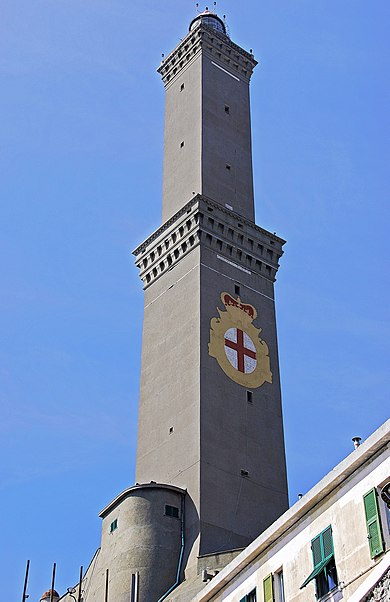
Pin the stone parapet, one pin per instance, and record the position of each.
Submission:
(218, 46)
(203, 221)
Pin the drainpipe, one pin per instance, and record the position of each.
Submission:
(180, 557)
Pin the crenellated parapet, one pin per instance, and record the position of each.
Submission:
(233, 238)
(217, 46)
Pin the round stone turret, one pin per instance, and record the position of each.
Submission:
(210, 19)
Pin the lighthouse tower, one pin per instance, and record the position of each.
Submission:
(210, 470)
(210, 418)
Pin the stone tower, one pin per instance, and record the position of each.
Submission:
(210, 418)
(211, 471)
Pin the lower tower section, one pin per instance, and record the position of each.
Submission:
(210, 417)
(142, 547)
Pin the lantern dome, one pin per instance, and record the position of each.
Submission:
(210, 19)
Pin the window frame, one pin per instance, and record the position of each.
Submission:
(247, 597)
(279, 591)
(324, 564)
(170, 511)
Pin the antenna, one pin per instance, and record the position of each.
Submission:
(80, 584)
(106, 588)
(197, 7)
(53, 582)
(25, 594)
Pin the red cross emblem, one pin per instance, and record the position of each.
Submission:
(240, 350)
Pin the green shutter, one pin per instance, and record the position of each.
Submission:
(322, 550)
(373, 523)
(243, 599)
(316, 549)
(268, 589)
(327, 543)
(320, 567)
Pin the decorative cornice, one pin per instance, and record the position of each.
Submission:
(205, 222)
(218, 46)
(166, 225)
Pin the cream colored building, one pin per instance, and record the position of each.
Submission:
(333, 544)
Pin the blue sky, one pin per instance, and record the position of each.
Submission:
(81, 165)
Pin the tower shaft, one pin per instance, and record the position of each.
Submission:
(210, 418)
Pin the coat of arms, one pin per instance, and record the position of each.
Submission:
(236, 345)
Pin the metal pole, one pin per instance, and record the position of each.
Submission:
(80, 582)
(106, 594)
(25, 596)
(52, 583)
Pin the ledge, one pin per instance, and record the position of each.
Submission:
(122, 496)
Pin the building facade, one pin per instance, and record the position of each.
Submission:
(332, 545)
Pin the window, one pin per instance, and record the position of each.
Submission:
(236, 289)
(244, 473)
(268, 589)
(114, 525)
(279, 587)
(227, 109)
(182, 144)
(228, 167)
(251, 597)
(374, 530)
(172, 511)
(182, 87)
(385, 495)
(324, 572)
(249, 396)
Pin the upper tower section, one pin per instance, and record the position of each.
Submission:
(207, 135)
